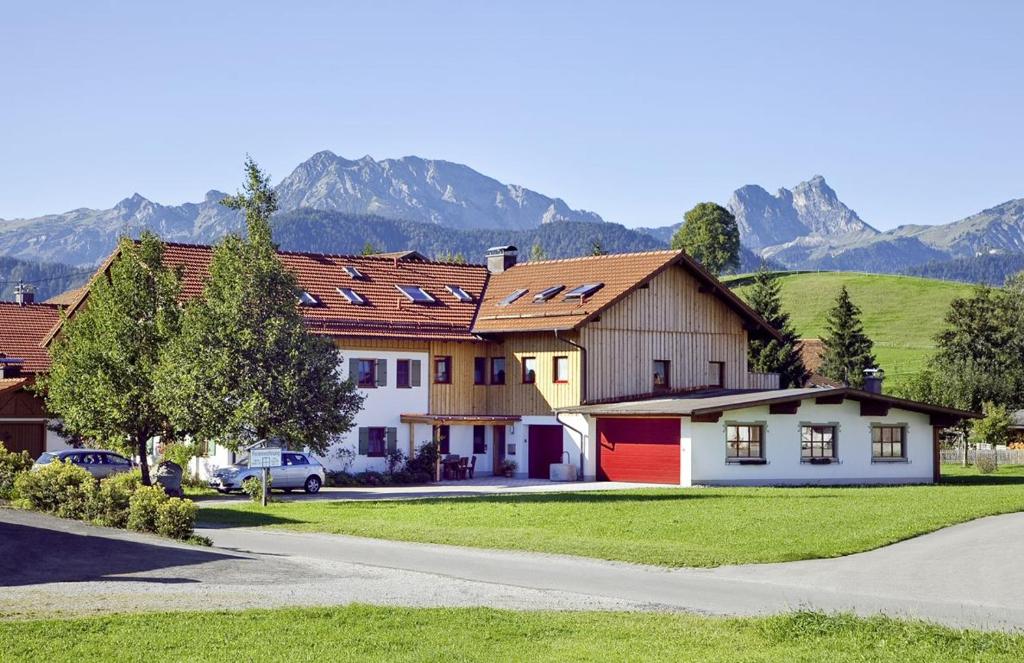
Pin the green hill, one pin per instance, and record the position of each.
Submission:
(901, 314)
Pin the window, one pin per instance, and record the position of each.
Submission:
(480, 370)
(442, 434)
(662, 379)
(817, 443)
(306, 299)
(561, 369)
(716, 373)
(294, 459)
(887, 442)
(529, 370)
(367, 373)
(497, 370)
(479, 441)
(415, 294)
(351, 296)
(515, 294)
(442, 370)
(583, 291)
(743, 441)
(459, 293)
(377, 442)
(547, 293)
(353, 272)
(403, 374)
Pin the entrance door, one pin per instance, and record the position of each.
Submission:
(499, 449)
(545, 449)
(20, 436)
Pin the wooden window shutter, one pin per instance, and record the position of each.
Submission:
(364, 440)
(392, 439)
(382, 372)
(414, 372)
(353, 370)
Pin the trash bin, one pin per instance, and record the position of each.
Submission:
(168, 476)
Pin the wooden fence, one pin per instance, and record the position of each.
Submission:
(1003, 456)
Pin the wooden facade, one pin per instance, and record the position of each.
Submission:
(670, 319)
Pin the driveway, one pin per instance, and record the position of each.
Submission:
(967, 575)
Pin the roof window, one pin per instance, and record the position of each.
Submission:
(306, 299)
(547, 293)
(415, 294)
(352, 296)
(516, 294)
(353, 272)
(584, 291)
(459, 293)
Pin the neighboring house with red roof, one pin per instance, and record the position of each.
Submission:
(616, 364)
(24, 326)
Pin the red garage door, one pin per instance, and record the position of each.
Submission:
(638, 450)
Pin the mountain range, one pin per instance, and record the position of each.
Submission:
(330, 203)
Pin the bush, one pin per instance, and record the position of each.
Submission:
(425, 461)
(11, 465)
(176, 518)
(59, 488)
(986, 463)
(253, 487)
(182, 453)
(370, 478)
(394, 460)
(143, 508)
(113, 499)
(341, 479)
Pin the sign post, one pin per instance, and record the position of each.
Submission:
(265, 458)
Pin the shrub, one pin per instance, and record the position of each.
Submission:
(986, 463)
(347, 456)
(143, 508)
(60, 488)
(420, 477)
(341, 479)
(394, 460)
(425, 461)
(176, 518)
(508, 465)
(11, 465)
(370, 478)
(182, 453)
(253, 487)
(113, 499)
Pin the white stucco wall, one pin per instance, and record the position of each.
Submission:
(573, 443)
(703, 448)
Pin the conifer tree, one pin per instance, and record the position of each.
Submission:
(537, 252)
(848, 350)
(773, 355)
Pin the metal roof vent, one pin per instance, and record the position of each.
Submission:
(24, 293)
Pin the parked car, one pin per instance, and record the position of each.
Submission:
(298, 470)
(99, 462)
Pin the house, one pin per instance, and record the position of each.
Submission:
(24, 325)
(631, 367)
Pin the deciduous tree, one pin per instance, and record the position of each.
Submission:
(711, 236)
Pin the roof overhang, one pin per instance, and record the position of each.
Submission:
(460, 419)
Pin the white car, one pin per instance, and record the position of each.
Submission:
(297, 470)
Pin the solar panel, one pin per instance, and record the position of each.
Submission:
(415, 294)
(584, 291)
(353, 272)
(547, 293)
(306, 299)
(352, 296)
(516, 294)
(459, 293)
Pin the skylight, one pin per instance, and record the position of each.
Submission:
(306, 299)
(415, 294)
(352, 296)
(516, 294)
(353, 272)
(584, 291)
(459, 293)
(547, 293)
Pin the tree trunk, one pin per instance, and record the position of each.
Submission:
(140, 448)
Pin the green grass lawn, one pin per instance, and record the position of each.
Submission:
(669, 526)
(901, 314)
(363, 633)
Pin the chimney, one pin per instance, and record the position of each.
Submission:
(873, 378)
(24, 293)
(500, 258)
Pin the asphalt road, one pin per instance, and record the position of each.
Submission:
(967, 575)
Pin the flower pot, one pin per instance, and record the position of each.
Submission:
(509, 473)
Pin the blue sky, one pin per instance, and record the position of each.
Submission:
(635, 110)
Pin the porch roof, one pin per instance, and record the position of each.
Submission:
(465, 419)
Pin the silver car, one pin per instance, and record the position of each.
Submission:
(297, 470)
(99, 462)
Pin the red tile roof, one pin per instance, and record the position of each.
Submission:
(23, 328)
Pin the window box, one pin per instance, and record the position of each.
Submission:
(818, 461)
(746, 461)
(889, 460)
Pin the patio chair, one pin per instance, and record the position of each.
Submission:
(462, 471)
(471, 470)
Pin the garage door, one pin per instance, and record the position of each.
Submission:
(638, 450)
(28, 437)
